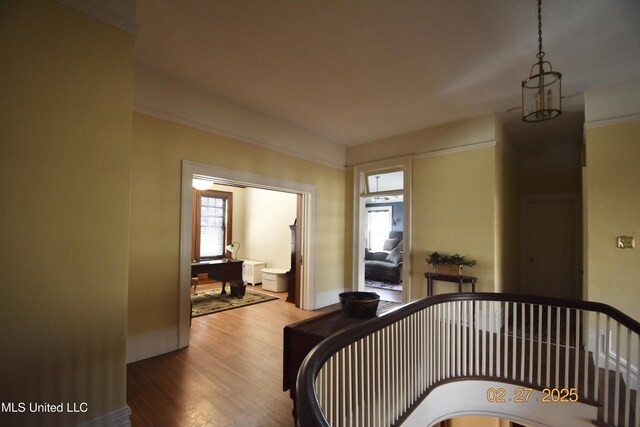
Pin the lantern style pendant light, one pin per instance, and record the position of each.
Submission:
(541, 92)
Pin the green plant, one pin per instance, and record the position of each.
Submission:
(455, 259)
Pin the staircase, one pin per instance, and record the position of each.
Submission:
(381, 371)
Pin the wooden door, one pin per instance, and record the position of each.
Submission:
(550, 250)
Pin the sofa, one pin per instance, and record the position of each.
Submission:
(385, 266)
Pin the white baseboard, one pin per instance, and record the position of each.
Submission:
(152, 344)
(328, 298)
(117, 418)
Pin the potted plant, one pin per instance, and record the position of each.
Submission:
(449, 264)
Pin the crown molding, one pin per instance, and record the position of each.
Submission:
(121, 14)
(168, 99)
(444, 151)
(162, 115)
(612, 121)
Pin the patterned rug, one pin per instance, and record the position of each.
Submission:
(210, 301)
(383, 285)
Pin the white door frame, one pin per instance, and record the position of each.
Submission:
(359, 229)
(231, 176)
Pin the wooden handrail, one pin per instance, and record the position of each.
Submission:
(308, 409)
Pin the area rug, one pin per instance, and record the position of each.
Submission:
(383, 285)
(210, 301)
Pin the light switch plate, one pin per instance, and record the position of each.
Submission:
(626, 242)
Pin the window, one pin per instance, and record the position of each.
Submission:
(212, 220)
(378, 227)
(385, 182)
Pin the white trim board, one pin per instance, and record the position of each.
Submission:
(223, 175)
(118, 418)
(140, 347)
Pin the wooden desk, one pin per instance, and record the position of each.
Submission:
(449, 278)
(224, 271)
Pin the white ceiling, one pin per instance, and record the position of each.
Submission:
(353, 71)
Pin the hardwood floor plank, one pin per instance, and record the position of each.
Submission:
(230, 375)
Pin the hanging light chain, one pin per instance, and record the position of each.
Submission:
(540, 54)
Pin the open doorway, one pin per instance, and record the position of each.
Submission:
(382, 262)
(304, 196)
(243, 245)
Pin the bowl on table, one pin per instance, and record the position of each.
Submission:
(359, 304)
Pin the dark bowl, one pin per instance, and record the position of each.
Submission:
(359, 304)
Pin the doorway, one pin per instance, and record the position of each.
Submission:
(306, 224)
(382, 232)
(550, 263)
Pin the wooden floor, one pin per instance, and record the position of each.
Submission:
(230, 375)
(386, 294)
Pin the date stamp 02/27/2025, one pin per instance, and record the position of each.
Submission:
(523, 395)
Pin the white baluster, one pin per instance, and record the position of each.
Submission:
(627, 394)
(548, 370)
(531, 340)
(607, 344)
(540, 339)
(596, 391)
(567, 346)
(616, 390)
(577, 351)
(558, 342)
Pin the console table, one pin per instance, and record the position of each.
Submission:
(222, 270)
(449, 278)
(301, 337)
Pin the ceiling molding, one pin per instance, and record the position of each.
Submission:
(150, 111)
(612, 121)
(444, 151)
(168, 99)
(121, 14)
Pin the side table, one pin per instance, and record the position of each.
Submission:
(449, 278)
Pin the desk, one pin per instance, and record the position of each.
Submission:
(449, 278)
(223, 271)
(301, 337)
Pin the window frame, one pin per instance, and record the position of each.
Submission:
(196, 220)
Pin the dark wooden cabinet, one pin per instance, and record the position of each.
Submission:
(291, 274)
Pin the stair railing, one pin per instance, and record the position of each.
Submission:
(378, 372)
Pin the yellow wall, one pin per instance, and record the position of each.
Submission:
(65, 149)
(158, 150)
(612, 208)
(267, 234)
(449, 135)
(453, 211)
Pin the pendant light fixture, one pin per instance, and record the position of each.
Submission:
(541, 92)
